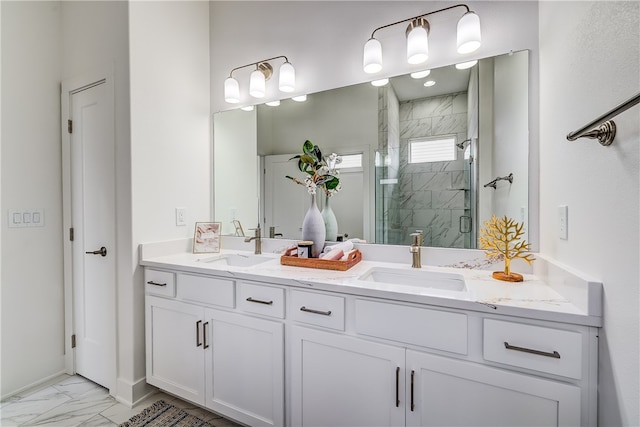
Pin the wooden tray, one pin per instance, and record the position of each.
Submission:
(290, 257)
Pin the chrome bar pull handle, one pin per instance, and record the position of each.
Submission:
(310, 310)
(204, 334)
(151, 282)
(198, 342)
(397, 386)
(553, 354)
(413, 406)
(102, 251)
(259, 301)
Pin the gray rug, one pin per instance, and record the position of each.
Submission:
(162, 414)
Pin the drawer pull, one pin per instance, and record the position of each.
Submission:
(310, 310)
(198, 342)
(397, 386)
(555, 354)
(151, 282)
(259, 301)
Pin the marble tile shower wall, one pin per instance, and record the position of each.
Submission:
(428, 196)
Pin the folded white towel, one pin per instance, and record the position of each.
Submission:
(345, 246)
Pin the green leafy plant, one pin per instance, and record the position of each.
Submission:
(320, 171)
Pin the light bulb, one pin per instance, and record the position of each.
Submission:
(257, 84)
(231, 90)
(287, 77)
(469, 36)
(372, 58)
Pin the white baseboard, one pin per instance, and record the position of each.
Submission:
(51, 379)
(130, 393)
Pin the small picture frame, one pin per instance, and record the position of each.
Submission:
(206, 238)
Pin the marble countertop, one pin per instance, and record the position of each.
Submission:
(560, 295)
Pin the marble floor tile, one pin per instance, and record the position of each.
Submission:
(73, 401)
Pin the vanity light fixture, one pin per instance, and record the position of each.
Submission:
(247, 108)
(469, 39)
(465, 65)
(300, 98)
(429, 83)
(258, 79)
(273, 103)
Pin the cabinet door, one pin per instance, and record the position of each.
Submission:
(339, 380)
(449, 392)
(245, 368)
(174, 347)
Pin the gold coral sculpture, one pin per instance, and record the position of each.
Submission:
(501, 237)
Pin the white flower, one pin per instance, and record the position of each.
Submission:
(311, 186)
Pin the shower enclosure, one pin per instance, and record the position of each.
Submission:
(425, 171)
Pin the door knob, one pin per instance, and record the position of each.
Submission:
(102, 251)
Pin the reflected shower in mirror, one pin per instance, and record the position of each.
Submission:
(425, 151)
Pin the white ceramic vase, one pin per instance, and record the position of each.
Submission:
(313, 228)
(330, 221)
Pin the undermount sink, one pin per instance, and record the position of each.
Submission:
(238, 260)
(418, 278)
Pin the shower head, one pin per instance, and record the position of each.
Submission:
(460, 145)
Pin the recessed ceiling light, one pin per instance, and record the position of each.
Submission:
(429, 83)
(380, 82)
(273, 103)
(300, 98)
(420, 74)
(465, 65)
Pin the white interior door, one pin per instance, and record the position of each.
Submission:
(93, 221)
(285, 203)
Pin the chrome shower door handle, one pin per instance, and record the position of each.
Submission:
(102, 251)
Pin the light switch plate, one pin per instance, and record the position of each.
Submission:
(181, 216)
(563, 222)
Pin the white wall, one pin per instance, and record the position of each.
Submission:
(32, 287)
(589, 63)
(170, 138)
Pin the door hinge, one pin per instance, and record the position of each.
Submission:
(71, 234)
(73, 341)
(69, 126)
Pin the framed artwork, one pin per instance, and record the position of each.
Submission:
(206, 238)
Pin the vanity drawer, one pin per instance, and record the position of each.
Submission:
(543, 349)
(157, 282)
(260, 299)
(318, 309)
(441, 330)
(206, 290)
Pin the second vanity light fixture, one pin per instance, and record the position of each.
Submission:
(258, 79)
(417, 33)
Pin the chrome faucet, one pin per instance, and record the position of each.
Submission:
(258, 238)
(417, 239)
(272, 232)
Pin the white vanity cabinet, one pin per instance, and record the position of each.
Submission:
(349, 359)
(404, 364)
(219, 358)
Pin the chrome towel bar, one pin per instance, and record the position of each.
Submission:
(603, 129)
